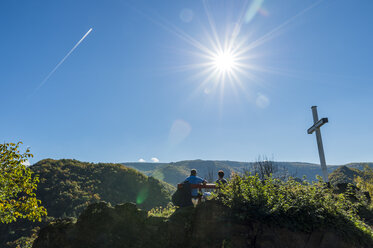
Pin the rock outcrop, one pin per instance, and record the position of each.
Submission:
(207, 225)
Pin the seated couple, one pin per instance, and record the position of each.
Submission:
(194, 179)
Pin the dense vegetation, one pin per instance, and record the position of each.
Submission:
(17, 186)
(299, 206)
(344, 174)
(67, 187)
(364, 181)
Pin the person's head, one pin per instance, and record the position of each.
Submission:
(221, 174)
(193, 172)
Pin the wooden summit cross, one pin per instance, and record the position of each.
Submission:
(316, 127)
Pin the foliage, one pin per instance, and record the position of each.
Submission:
(264, 167)
(300, 206)
(365, 180)
(344, 174)
(163, 212)
(25, 242)
(365, 183)
(17, 186)
(68, 186)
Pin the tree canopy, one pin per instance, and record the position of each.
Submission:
(365, 181)
(68, 186)
(17, 186)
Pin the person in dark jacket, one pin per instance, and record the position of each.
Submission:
(221, 180)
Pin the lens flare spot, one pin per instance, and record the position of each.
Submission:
(253, 10)
(186, 15)
(262, 101)
(179, 131)
(142, 195)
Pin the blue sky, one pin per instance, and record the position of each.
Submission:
(135, 89)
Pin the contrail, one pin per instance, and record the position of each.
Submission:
(64, 58)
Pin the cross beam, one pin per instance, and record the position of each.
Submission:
(316, 128)
(317, 125)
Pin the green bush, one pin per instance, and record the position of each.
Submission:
(296, 205)
(17, 186)
(163, 212)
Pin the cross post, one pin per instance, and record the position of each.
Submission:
(316, 128)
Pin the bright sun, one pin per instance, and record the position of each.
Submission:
(224, 62)
(225, 57)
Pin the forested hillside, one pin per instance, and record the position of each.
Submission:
(247, 212)
(344, 174)
(175, 172)
(67, 186)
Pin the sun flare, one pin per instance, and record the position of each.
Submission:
(224, 58)
(225, 61)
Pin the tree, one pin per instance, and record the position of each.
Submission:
(209, 176)
(17, 186)
(266, 168)
(365, 180)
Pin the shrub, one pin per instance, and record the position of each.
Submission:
(296, 205)
(17, 186)
(162, 212)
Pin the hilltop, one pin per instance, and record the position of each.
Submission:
(248, 212)
(344, 174)
(175, 172)
(68, 186)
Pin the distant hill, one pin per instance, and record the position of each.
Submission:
(68, 186)
(344, 174)
(176, 172)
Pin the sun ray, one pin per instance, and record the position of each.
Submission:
(271, 34)
(212, 25)
(226, 57)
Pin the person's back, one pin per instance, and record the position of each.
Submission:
(193, 179)
(182, 197)
(221, 181)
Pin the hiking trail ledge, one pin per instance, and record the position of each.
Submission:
(207, 225)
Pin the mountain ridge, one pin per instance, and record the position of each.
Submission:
(175, 172)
